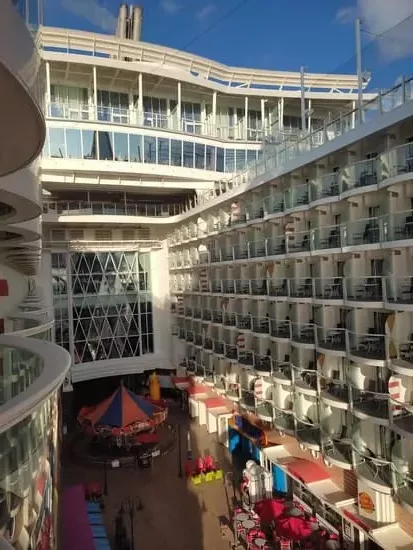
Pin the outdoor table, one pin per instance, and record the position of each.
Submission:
(260, 542)
(242, 516)
(248, 523)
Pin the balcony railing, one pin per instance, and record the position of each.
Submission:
(296, 196)
(163, 121)
(371, 402)
(397, 161)
(373, 469)
(88, 208)
(303, 333)
(274, 204)
(399, 290)
(364, 289)
(368, 345)
(280, 329)
(324, 187)
(358, 175)
(263, 364)
(301, 288)
(332, 338)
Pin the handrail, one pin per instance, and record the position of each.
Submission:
(199, 68)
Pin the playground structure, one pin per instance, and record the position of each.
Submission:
(202, 470)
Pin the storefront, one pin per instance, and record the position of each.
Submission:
(245, 440)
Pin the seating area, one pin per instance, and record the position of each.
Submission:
(203, 469)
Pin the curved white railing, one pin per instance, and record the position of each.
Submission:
(56, 364)
(100, 45)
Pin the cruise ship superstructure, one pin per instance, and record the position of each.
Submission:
(251, 227)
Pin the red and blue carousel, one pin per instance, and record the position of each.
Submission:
(125, 418)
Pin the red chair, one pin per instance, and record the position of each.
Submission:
(210, 464)
(189, 468)
(200, 465)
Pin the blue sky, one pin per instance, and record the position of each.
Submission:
(271, 34)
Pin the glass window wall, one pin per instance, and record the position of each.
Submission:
(123, 147)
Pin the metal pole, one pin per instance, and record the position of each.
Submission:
(180, 473)
(105, 481)
(131, 513)
(359, 71)
(303, 117)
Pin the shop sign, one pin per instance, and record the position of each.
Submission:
(348, 530)
(366, 503)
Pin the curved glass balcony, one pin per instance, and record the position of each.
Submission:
(84, 144)
(326, 186)
(338, 453)
(371, 404)
(21, 368)
(96, 208)
(374, 470)
(284, 422)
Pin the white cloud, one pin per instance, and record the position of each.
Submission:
(387, 17)
(170, 6)
(94, 12)
(205, 12)
(346, 15)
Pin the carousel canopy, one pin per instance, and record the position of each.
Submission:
(121, 409)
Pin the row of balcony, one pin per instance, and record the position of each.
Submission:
(365, 232)
(370, 346)
(378, 291)
(359, 176)
(158, 120)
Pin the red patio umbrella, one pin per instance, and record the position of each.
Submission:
(269, 509)
(293, 528)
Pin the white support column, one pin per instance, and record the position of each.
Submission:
(179, 106)
(95, 92)
(132, 112)
(48, 92)
(309, 120)
(281, 113)
(140, 99)
(214, 114)
(203, 118)
(246, 118)
(263, 116)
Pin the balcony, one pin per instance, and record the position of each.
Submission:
(326, 237)
(401, 354)
(332, 340)
(303, 333)
(217, 287)
(230, 319)
(198, 340)
(245, 357)
(365, 232)
(278, 288)
(261, 325)
(188, 312)
(257, 249)
(228, 286)
(308, 434)
(232, 393)
(301, 288)
(263, 365)
(219, 347)
(280, 329)
(371, 404)
(338, 453)
(265, 411)
(208, 344)
(399, 290)
(206, 315)
(336, 394)
(325, 187)
(247, 401)
(273, 205)
(299, 242)
(231, 352)
(397, 162)
(244, 322)
(276, 246)
(305, 378)
(197, 313)
(189, 336)
(217, 316)
(239, 252)
(98, 208)
(404, 483)
(359, 175)
(370, 347)
(365, 289)
(282, 373)
(374, 470)
(296, 197)
(402, 418)
(284, 422)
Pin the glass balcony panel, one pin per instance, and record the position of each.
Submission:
(227, 254)
(402, 351)
(374, 469)
(296, 196)
(323, 238)
(258, 287)
(276, 246)
(330, 288)
(361, 174)
(284, 422)
(240, 251)
(219, 347)
(189, 336)
(245, 357)
(335, 389)
(301, 288)
(208, 343)
(230, 319)
(188, 312)
(339, 451)
(373, 402)
(206, 315)
(304, 333)
(256, 249)
(365, 289)
(369, 345)
(282, 372)
(217, 316)
(278, 287)
(247, 400)
(398, 226)
(221, 286)
(265, 410)
(280, 329)
(325, 186)
(331, 338)
(197, 313)
(263, 363)
(198, 339)
(399, 290)
(361, 232)
(242, 286)
(397, 161)
(244, 322)
(231, 352)
(298, 242)
(273, 205)
(214, 255)
(261, 325)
